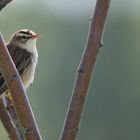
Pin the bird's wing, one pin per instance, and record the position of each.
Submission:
(22, 60)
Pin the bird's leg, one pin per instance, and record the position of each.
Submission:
(10, 100)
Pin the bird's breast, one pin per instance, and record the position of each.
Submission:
(28, 75)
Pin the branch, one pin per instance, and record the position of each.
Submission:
(3, 3)
(84, 72)
(12, 113)
(5, 116)
(7, 122)
(20, 100)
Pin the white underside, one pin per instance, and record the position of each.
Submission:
(28, 75)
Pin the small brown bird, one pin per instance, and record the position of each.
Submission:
(22, 48)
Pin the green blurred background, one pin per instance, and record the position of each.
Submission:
(112, 111)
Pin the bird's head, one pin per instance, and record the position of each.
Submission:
(25, 39)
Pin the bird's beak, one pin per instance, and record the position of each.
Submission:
(36, 36)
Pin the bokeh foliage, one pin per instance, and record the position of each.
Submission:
(112, 110)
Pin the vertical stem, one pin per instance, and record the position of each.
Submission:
(84, 73)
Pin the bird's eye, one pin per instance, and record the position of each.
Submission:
(24, 37)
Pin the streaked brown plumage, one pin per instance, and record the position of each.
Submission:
(22, 48)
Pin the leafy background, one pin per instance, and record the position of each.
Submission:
(112, 110)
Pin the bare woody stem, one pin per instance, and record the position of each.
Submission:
(20, 100)
(9, 116)
(7, 122)
(3, 3)
(84, 73)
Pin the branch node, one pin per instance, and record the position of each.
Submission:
(25, 130)
(91, 18)
(81, 70)
(12, 78)
(101, 44)
(75, 130)
(9, 107)
(28, 130)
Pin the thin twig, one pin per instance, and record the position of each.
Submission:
(7, 122)
(85, 70)
(21, 104)
(11, 110)
(3, 3)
